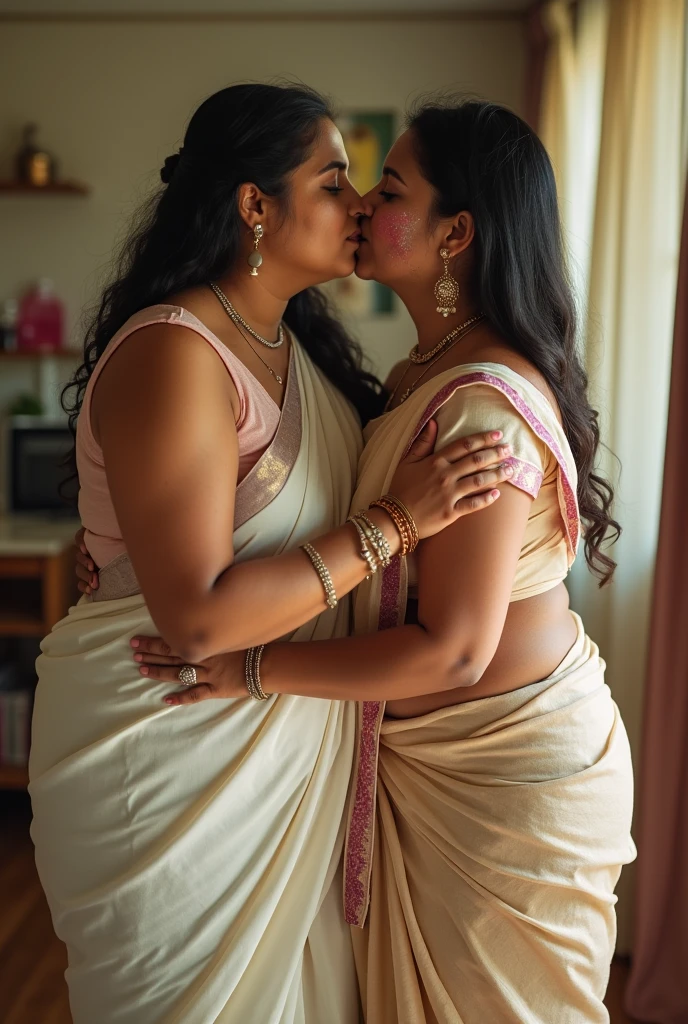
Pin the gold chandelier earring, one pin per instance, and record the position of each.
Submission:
(447, 289)
(255, 260)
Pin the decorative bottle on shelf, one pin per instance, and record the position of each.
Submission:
(35, 166)
(40, 327)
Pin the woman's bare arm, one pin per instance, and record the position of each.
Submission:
(465, 577)
(175, 515)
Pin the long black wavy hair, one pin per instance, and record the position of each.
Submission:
(189, 232)
(483, 158)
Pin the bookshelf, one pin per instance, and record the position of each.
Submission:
(13, 777)
(37, 585)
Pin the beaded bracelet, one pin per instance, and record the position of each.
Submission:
(366, 554)
(252, 669)
(323, 573)
(376, 538)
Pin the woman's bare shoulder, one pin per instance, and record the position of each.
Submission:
(159, 360)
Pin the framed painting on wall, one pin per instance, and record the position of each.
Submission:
(368, 135)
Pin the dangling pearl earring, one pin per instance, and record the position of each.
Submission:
(255, 260)
(447, 289)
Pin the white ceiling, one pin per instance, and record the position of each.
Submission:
(257, 7)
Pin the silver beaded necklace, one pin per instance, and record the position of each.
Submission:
(278, 378)
(239, 320)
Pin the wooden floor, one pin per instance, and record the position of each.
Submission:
(33, 960)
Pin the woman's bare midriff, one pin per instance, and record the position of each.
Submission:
(538, 634)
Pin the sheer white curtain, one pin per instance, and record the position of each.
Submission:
(612, 119)
(570, 120)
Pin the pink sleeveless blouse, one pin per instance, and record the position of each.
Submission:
(259, 418)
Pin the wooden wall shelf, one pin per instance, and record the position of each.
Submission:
(37, 356)
(58, 188)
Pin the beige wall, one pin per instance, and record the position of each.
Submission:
(112, 99)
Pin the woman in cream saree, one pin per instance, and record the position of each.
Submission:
(212, 840)
(488, 835)
(488, 828)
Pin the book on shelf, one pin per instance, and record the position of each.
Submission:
(15, 710)
(15, 718)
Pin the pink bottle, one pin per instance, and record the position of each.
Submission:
(40, 325)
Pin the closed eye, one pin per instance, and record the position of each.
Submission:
(334, 189)
(387, 196)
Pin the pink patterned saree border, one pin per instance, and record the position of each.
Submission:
(526, 477)
(361, 825)
(570, 501)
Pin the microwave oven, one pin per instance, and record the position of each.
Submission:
(35, 453)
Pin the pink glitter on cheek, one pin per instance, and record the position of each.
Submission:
(397, 229)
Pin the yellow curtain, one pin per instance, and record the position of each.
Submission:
(624, 265)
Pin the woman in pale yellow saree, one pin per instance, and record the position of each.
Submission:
(502, 822)
(492, 793)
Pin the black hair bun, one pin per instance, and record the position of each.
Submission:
(169, 167)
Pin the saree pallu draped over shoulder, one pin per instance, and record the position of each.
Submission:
(485, 839)
(191, 855)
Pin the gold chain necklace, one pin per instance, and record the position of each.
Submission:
(472, 324)
(419, 358)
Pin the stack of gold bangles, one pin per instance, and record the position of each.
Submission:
(375, 551)
(402, 519)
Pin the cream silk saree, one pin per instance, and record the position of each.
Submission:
(485, 839)
(191, 855)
